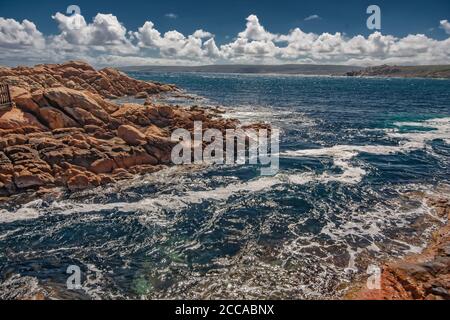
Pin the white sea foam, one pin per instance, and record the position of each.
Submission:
(409, 141)
(371, 225)
(151, 206)
(369, 229)
(248, 114)
(341, 155)
(27, 212)
(179, 202)
(418, 139)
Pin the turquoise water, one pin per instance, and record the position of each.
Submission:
(357, 156)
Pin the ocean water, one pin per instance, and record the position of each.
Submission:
(358, 156)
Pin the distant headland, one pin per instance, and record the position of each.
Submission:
(429, 71)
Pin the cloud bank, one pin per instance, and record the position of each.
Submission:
(106, 41)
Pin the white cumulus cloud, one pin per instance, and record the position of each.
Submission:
(446, 26)
(105, 40)
(255, 31)
(16, 35)
(104, 30)
(175, 44)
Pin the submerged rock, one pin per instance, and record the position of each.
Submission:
(131, 135)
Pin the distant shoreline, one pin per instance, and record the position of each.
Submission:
(289, 69)
(343, 76)
(385, 71)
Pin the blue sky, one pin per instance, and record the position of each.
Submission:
(226, 19)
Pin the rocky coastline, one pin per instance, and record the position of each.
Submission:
(64, 130)
(422, 276)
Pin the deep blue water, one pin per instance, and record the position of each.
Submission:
(357, 158)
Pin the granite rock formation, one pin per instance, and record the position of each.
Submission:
(64, 132)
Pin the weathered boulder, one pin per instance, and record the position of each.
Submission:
(83, 181)
(103, 166)
(56, 119)
(131, 135)
(79, 75)
(80, 105)
(136, 114)
(141, 95)
(16, 118)
(27, 179)
(24, 100)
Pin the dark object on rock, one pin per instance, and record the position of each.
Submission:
(6, 103)
(439, 291)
